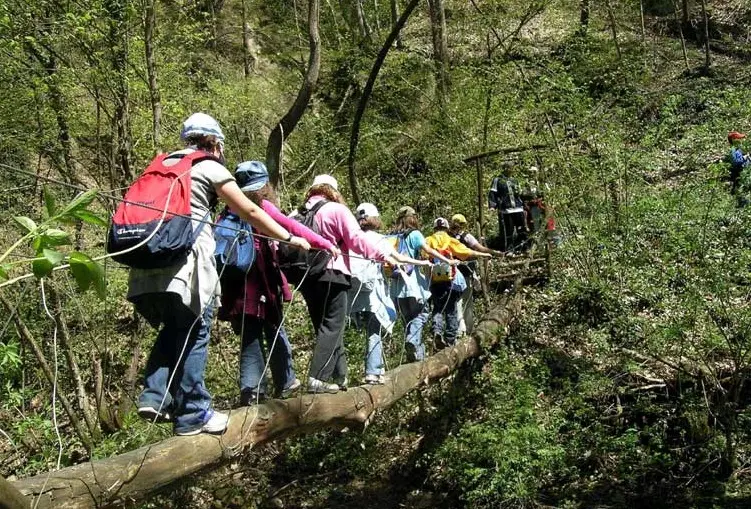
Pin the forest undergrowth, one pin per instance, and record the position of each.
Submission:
(623, 382)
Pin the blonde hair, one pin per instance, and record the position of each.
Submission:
(407, 222)
(326, 191)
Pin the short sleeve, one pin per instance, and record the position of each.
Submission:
(470, 240)
(214, 172)
(416, 241)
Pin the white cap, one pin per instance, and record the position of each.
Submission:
(367, 210)
(325, 179)
(201, 124)
(440, 222)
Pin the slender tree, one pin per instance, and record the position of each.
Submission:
(156, 100)
(363, 103)
(284, 127)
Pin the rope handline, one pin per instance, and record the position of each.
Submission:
(164, 212)
(54, 394)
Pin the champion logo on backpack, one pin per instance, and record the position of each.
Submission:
(161, 234)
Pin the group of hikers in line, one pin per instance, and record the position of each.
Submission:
(340, 262)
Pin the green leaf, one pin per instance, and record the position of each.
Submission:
(44, 266)
(27, 223)
(56, 237)
(89, 217)
(3, 272)
(86, 271)
(49, 202)
(79, 203)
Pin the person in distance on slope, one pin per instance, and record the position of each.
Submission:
(738, 162)
(368, 296)
(447, 283)
(181, 299)
(254, 305)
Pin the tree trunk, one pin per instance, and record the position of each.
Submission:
(440, 46)
(156, 100)
(394, 20)
(680, 32)
(362, 104)
(135, 474)
(686, 18)
(249, 57)
(118, 39)
(75, 372)
(583, 16)
(288, 122)
(613, 28)
(362, 22)
(11, 498)
(707, 52)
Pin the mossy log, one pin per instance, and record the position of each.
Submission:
(133, 475)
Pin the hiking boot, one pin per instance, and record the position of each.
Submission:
(251, 397)
(439, 342)
(316, 386)
(410, 352)
(150, 413)
(287, 391)
(215, 423)
(373, 380)
(343, 383)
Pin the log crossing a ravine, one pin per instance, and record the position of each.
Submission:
(133, 475)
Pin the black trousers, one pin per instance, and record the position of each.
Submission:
(327, 306)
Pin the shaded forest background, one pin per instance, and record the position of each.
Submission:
(623, 382)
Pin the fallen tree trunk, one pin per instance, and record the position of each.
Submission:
(10, 498)
(135, 474)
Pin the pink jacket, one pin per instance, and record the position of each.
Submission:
(295, 228)
(337, 224)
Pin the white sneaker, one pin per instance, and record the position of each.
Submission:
(373, 379)
(319, 386)
(216, 423)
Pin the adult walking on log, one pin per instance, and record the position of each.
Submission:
(180, 298)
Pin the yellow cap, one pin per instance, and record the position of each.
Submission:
(458, 219)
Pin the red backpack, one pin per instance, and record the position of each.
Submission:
(152, 227)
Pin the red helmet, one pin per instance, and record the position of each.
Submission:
(735, 135)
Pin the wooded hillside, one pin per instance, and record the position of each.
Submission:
(624, 380)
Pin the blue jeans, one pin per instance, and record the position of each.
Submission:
(187, 398)
(374, 346)
(415, 315)
(252, 356)
(445, 302)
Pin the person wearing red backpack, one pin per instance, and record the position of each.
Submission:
(447, 283)
(180, 298)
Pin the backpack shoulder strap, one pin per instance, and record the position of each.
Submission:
(314, 209)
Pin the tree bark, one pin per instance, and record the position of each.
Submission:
(135, 474)
(154, 95)
(288, 122)
(362, 104)
(10, 497)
